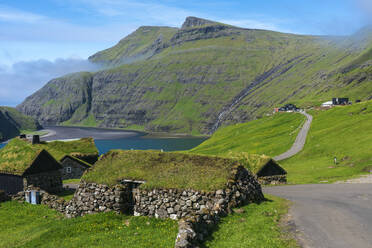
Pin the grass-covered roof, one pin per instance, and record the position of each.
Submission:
(17, 156)
(253, 162)
(162, 170)
(59, 149)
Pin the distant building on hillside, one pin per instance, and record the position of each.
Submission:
(327, 104)
(340, 101)
(289, 108)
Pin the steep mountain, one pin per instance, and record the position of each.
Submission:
(203, 76)
(12, 122)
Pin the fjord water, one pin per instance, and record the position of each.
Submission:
(139, 143)
(108, 139)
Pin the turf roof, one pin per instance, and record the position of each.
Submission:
(253, 162)
(162, 170)
(17, 156)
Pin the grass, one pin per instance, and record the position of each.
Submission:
(270, 135)
(343, 132)
(162, 170)
(28, 226)
(259, 226)
(71, 181)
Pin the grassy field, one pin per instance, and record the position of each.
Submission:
(270, 136)
(342, 132)
(163, 170)
(38, 226)
(24, 225)
(257, 226)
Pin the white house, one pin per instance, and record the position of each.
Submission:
(327, 104)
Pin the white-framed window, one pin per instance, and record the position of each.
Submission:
(68, 169)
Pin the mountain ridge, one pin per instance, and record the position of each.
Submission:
(182, 79)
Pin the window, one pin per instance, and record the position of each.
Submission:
(68, 170)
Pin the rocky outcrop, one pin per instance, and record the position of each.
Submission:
(192, 21)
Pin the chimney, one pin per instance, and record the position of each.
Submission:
(35, 139)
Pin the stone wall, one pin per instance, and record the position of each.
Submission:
(77, 169)
(176, 204)
(52, 201)
(94, 198)
(279, 179)
(50, 181)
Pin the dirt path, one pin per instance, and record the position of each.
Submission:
(330, 215)
(300, 140)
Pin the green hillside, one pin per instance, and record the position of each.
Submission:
(12, 122)
(344, 132)
(270, 136)
(205, 75)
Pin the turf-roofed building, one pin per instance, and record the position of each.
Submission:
(164, 185)
(23, 164)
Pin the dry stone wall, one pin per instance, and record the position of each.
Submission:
(279, 179)
(95, 198)
(177, 204)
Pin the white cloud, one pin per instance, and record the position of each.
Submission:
(24, 78)
(257, 24)
(12, 15)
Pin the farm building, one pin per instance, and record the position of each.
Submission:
(72, 167)
(340, 101)
(164, 185)
(22, 164)
(288, 108)
(267, 170)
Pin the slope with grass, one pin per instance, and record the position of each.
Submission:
(205, 75)
(13, 122)
(343, 132)
(271, 136)
(25, 225)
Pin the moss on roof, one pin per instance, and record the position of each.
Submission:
(59, 149)
(17, 156)
(162, 170)
(253, 162)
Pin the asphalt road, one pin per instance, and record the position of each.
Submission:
(330, 215)
(300, 140)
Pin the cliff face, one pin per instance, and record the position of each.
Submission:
(203, 76)
(12, 122)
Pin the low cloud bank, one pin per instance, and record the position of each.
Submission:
(24, 78)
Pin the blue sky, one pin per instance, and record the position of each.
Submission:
(47, 35)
